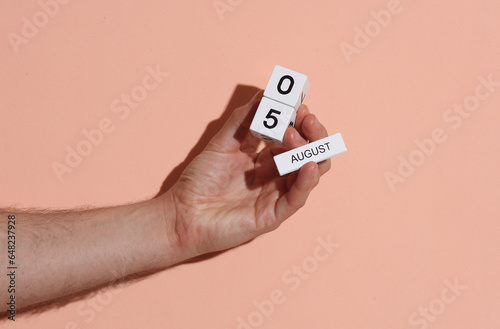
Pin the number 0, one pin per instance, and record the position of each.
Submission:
(273, 118)
(290, 86)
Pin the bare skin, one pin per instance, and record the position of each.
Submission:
(228, 195)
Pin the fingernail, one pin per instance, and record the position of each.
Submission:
(306, 110)
(297, 137)
(317, 125)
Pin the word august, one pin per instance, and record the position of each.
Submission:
(122, 106)
(316, 151)
(311, 152)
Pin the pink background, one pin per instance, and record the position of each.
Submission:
(397, 247)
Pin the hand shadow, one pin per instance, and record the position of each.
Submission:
(241, 96)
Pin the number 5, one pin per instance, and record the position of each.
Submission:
(274, 119)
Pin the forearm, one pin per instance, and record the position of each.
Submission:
(62, 253)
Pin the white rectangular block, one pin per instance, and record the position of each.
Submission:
(271, 120)
(317, 151)
(287, 87)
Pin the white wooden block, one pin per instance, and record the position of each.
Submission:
(317, 151)
(271, 120)
(287, 87)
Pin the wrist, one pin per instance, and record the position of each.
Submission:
(174, 240)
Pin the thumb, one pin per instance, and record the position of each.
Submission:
(234, 131)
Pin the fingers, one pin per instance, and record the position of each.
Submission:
(308, 128)
(313, 129)
(295, 198)
(235, 130)
(293, 136)
(302, 111)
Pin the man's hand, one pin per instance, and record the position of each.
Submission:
(231, 192)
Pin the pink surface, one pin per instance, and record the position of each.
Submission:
(406, 223)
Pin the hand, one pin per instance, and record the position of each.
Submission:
(231, 193)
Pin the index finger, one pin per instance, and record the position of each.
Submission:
(234, 131)
(312, 129)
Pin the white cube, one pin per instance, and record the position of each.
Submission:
(287, 87)
(271, 120)
(317, 151)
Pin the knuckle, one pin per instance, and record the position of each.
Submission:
(327, 165)
(301, 203)
(316, 182)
